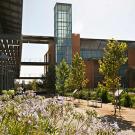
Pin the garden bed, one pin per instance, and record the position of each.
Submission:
(39, 115)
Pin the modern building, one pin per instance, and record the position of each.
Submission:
(10, 41)
(66, 44)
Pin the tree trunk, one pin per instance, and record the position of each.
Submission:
(115, 104)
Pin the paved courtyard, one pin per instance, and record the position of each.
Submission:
(125, 119)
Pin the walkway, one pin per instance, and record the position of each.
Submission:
(125, 119)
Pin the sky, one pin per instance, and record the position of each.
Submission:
(101, 19)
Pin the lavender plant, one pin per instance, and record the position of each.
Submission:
(27, 115)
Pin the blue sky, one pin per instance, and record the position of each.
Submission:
(91, 18)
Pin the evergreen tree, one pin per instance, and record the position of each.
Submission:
(77, 77)
(62, 72)
(49, 79)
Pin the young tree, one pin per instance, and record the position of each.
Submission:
(62, 72)
(114, 57)
(77, 77)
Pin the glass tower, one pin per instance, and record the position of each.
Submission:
(63, 32)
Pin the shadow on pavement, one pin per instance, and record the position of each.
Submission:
(123, 124)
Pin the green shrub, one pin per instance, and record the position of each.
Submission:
(4, 92)
(76, 95)
(126, 100)
(68, 94)
(104, 95)
(131, 90)
(133, 101)
(85, 94)
(9, 93)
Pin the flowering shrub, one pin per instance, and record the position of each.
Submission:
(27, 115)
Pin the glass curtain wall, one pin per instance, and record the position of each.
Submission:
(91, 54)
(63, 32)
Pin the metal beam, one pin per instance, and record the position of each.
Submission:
(34, 63)
(36, 42)
(37, 39)
(30, 78)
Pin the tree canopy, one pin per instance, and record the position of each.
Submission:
(77, 76)
(62, 72)
(114, 57)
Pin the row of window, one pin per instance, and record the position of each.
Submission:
(62, 27)
(63, 24)
(63, 31)
(64, 36)
(91, 54)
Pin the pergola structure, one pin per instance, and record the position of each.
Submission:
(10, 41)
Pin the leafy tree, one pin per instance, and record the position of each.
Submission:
(114, 57)
(77, 77)
(62, 72)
